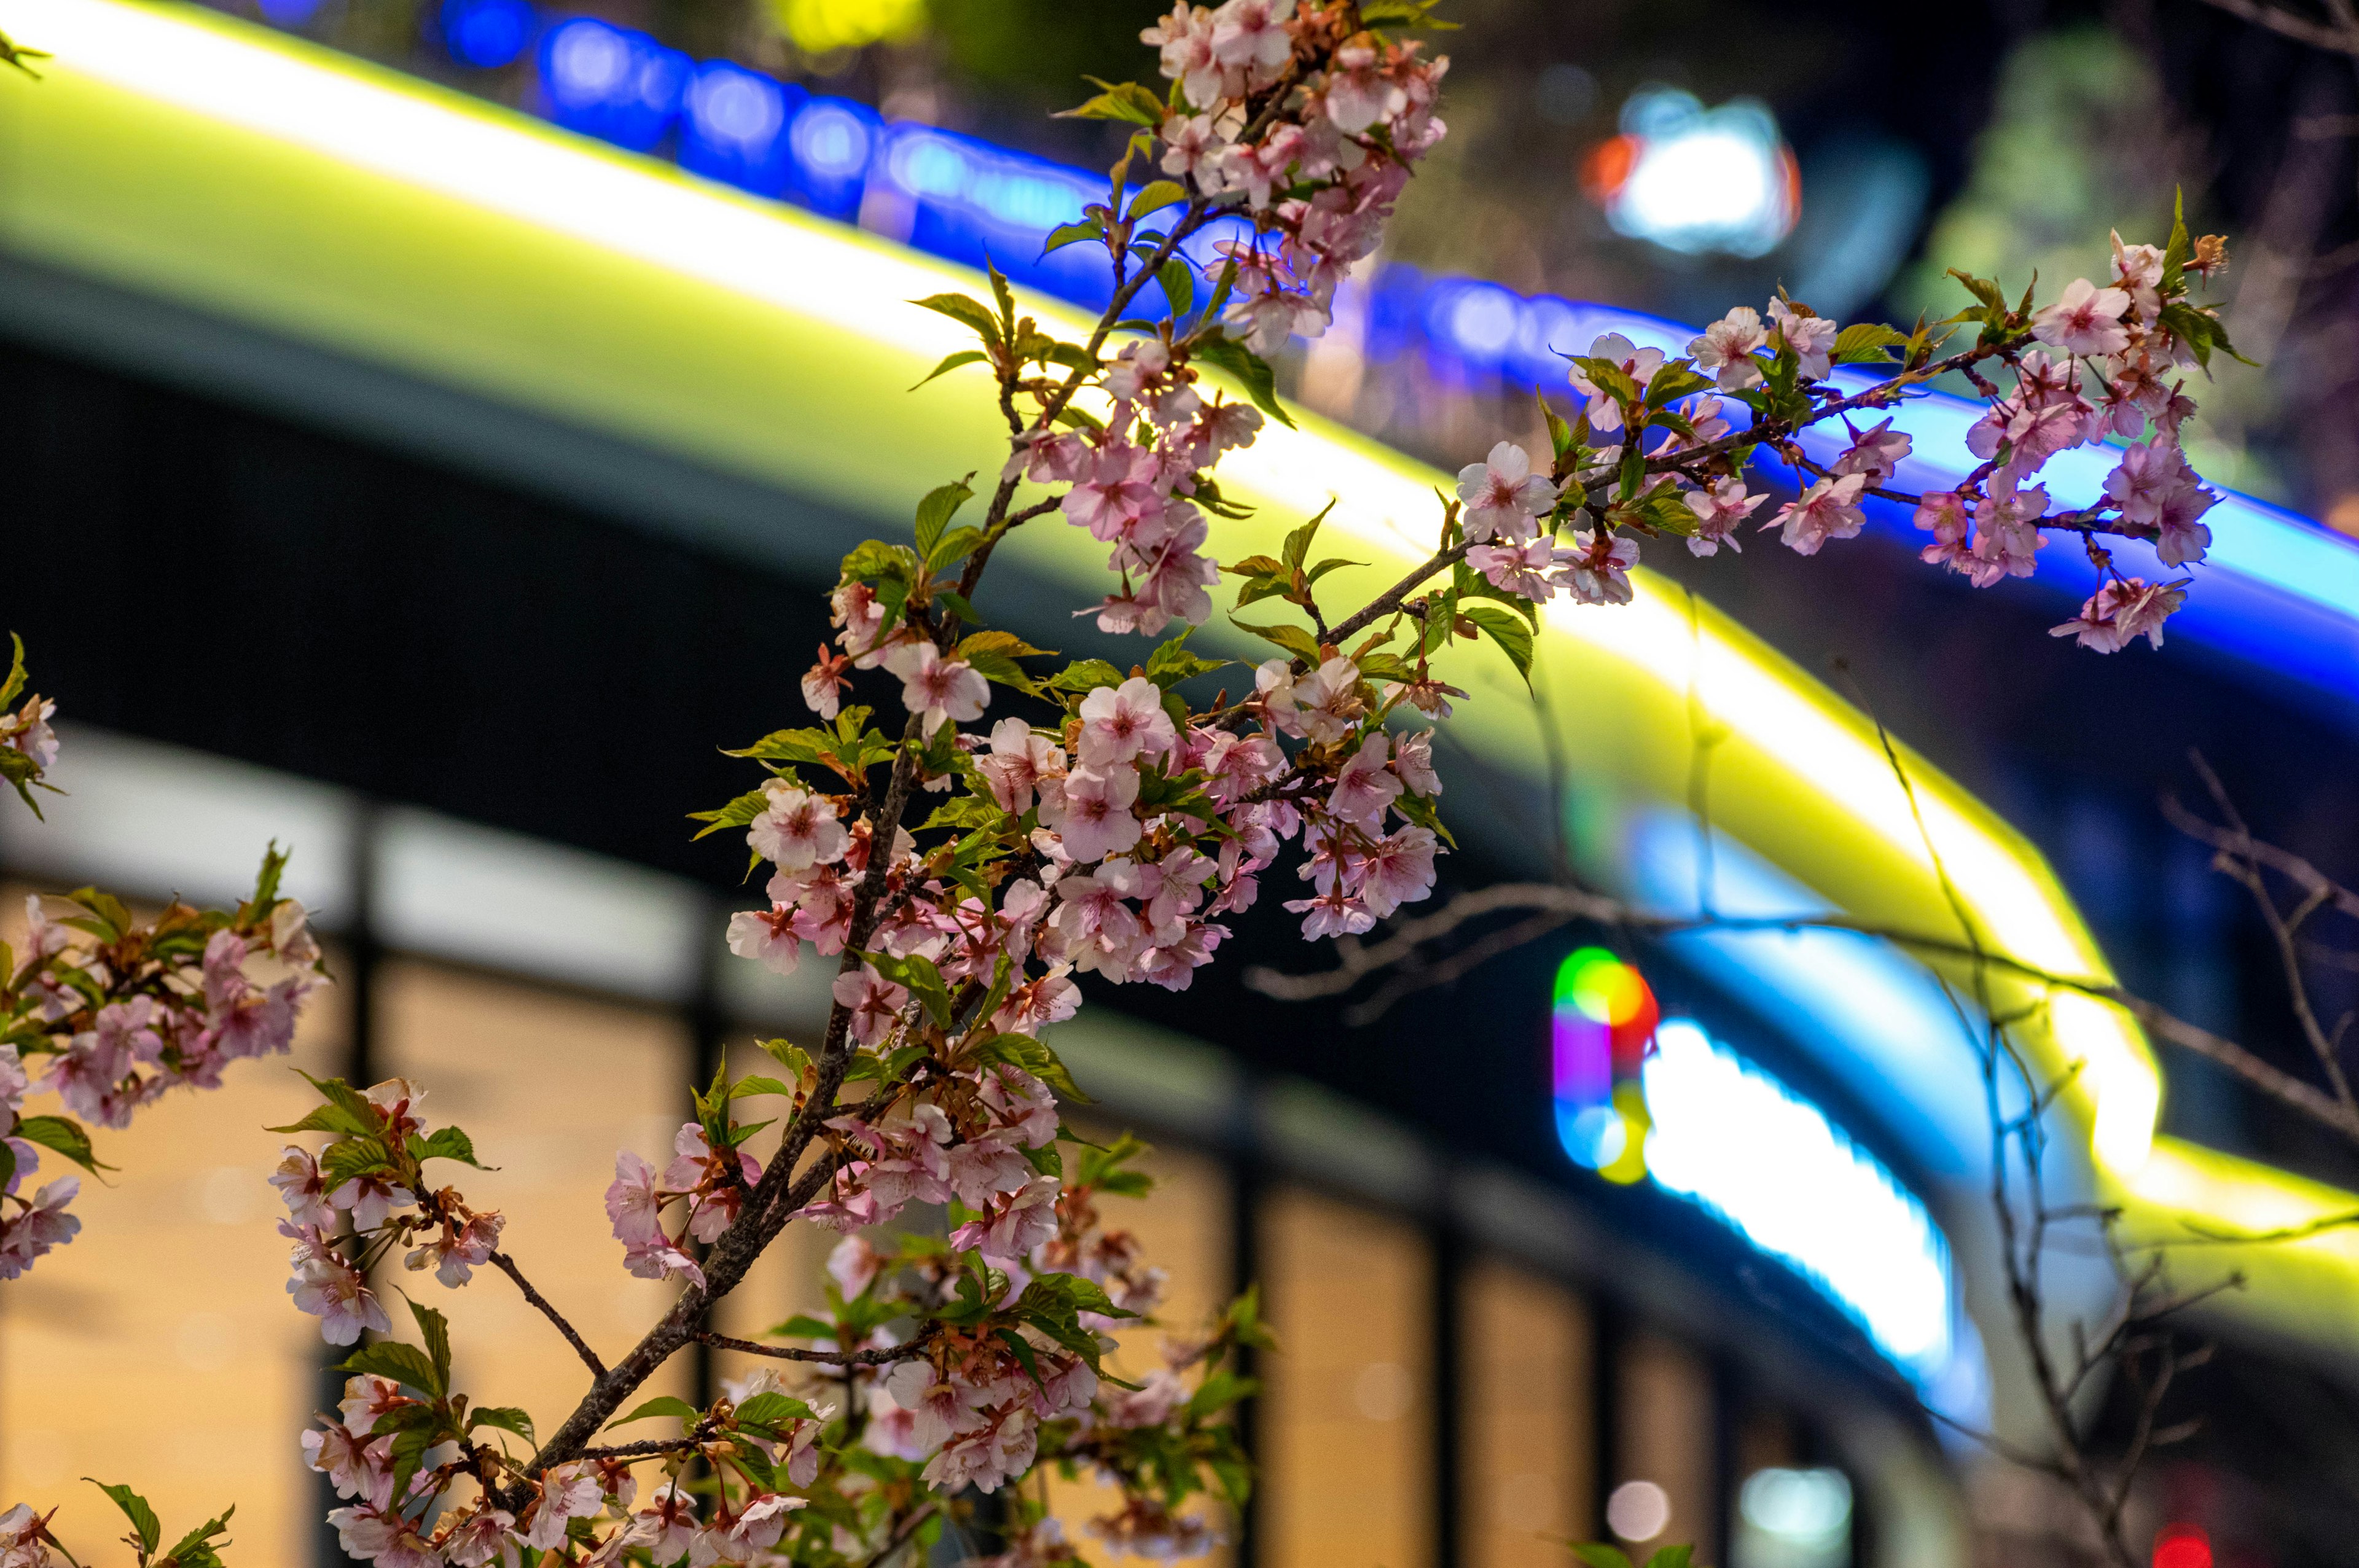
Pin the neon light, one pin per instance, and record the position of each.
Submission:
(2182, 1546)
(488, 34)
(1602, 1017)
(1740, 1144)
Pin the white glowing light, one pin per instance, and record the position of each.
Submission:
(1770, 1163)
(1703, 179)
(1638, 1510)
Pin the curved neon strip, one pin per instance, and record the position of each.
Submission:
(1814, 776)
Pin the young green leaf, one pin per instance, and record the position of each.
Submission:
(966, 311)
(1179, 281)
(952, 362)
(1249, 370)
(935, 512)
(134, 1509)
(1293, 639)
(507, 1418)
(662, 1404)
(402, 1363)
(64, 1135)
(1124, 101)
(1513, 635)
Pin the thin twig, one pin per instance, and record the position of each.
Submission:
(915, 1348)
(506, 1265)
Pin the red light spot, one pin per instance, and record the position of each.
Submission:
(1608, 168)
(2182, 1546)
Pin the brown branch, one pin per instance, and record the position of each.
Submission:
(916, 1347)
(904, 1531)
(2316, 35)
(506, 1265)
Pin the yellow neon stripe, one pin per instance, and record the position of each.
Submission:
(178, 151)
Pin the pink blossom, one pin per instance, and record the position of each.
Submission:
(1364, 789)
(1811, 337)
(1119, 489)
(1718, 512)
(2119, 613)
(378, 1535)
(458, 1251)
(853, 607)
(486, 1534)
(1596, 570)
(1185, 38)
(633, 1205)
(333, 1291)
(1326, 702)
(854, 1265)
(14, 1083)
(2182, 538)
(354, 1464)
(1639, 364)
(660, 1258)
(1874, 455)
(1727, 348)
(987, 1459)
(667, 1527)
(301, 1186)
(771, 937)
(1944, 513)
(1187, 141)
(939, 689)
(37, 1229)
(370, 1200)
(2085, 319)
(1828, 510)
(1089, 812)
(1358, 93)
(1048, 999)
(1120, 723)
(2007, 535)
(1015, 1224)
(1270, 317)
(1018, 759)
(1517, 568)
(1398, 870)
(874, 1001)
(1332, 914)
(567, 1492)
(824, 683)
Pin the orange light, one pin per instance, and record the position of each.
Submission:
(1606, 168)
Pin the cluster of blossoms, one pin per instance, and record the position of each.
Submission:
(111, 1012)
(1310, 126)
(372, 1172)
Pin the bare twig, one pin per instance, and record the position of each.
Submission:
(2303, 29)
(506, 1265)
(913, 1350)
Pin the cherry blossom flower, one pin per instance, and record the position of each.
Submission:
(1366, 789)
(485, 1534)
(1520, 570)
(1121, 723)
(2120, 612)
(1639, 364)
(379, 1535)
(2085, 319)
(1828, 510)
(1727, 348)
(824, 683)
(333, 1291)
(1503, 496)
(1718, 512)
(354, 1464)
(1875, 454)
(1397, 869)
(1089, 810)
(1358, 92)
(1332, 914)
(1597, 569)
(941, 689)
(771, 937)
(1185, 38)
(42, 1226)
(1947, 515)
(1018, 763)
(1326, 702)
(27, 731)
(875, 1003)
(633, 1205)
(1811, 337)
(2181, 537)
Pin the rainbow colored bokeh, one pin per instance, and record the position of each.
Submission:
(1604, 1020)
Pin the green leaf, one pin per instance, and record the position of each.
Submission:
(445, 1144)
(952, 362)
(1023, 1051)
(1673, 382)
(355, 1104)
(1510, 631)
(966, 310)
(507, 1418)
(16, 681)
(1155, 195)
(1179, 281)
(408, 1456)
(993, 656)
(802, 1325)
(738, 813)
(1865, 342)
(64, 1135)
(2174, 254)
(1671, 1556)
(1249, 370)
(935, 512)
(134, 1509)
(956, 546)
(195, 1550)
(435, 1329)
(772, 1410)
(1065, 235)
(748, 1086)
(354, 1158)
(2200, 331)
(1126, 101)
(1293, 639)
(662, 1404)
(7, 1164)
(402, 1363)
(1597, 1554)
(924, 981)
(1083, 676)
(1173, 662)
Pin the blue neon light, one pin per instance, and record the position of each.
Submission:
(2279, 590)
(1731, 1139)
(488, 34)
